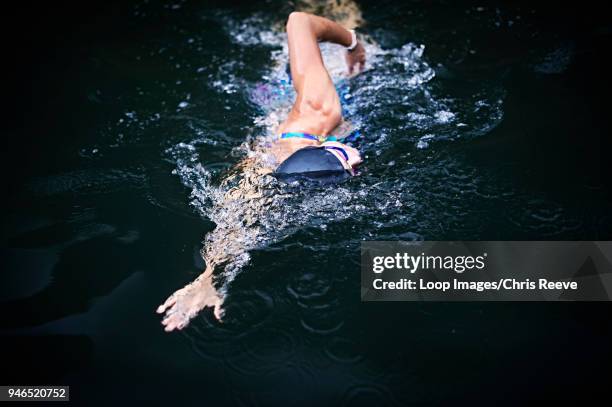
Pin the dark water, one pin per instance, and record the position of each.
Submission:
(481, 122)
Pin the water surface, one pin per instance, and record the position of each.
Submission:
(479, 122)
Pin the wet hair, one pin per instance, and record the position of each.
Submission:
(312, 164)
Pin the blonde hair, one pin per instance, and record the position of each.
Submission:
(344, 12)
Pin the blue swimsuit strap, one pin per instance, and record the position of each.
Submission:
(300, 135)
(308, 136)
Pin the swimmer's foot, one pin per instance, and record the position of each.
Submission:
(187, 302)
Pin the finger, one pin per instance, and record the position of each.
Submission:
(361, 66)
(170, 301)
(218, 311)
(169, 318)
(166, 324)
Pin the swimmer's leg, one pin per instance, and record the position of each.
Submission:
(187, 302)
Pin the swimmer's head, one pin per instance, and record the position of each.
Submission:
(318, 164)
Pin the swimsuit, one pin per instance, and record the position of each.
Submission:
(352, 136)
(308, 136)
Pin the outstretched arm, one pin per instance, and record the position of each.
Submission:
(226, 243)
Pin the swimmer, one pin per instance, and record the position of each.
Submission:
(308, 146)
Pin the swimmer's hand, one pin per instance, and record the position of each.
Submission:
(187, 302)
(355, 59)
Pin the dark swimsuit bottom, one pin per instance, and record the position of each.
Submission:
(313, 163)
